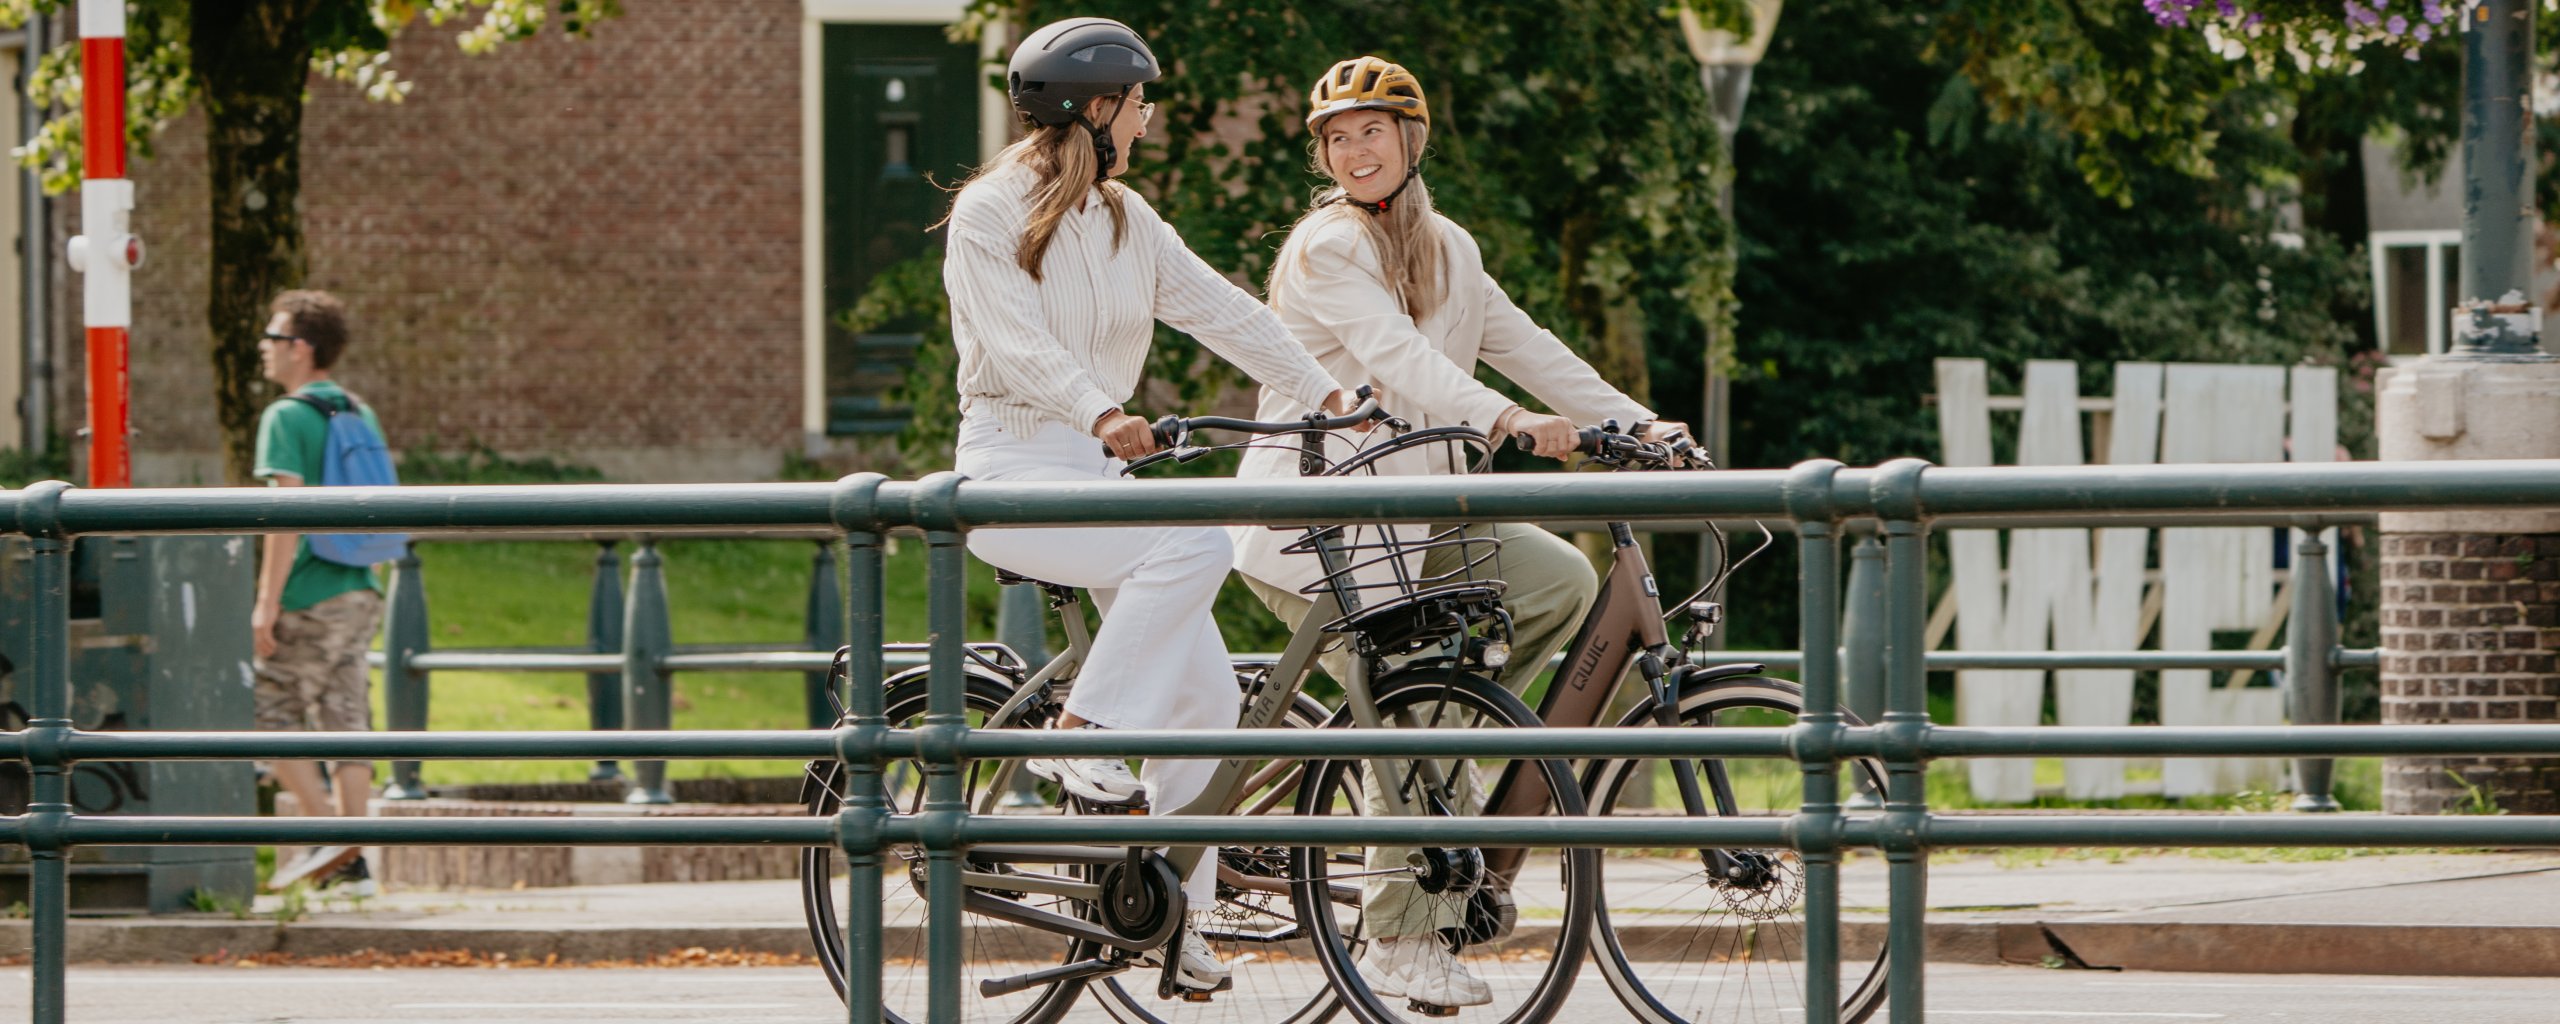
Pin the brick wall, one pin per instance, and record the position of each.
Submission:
(2470, 635)
(589, 249)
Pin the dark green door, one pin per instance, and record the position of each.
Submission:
(901, 124)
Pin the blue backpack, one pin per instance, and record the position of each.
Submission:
(354, 457)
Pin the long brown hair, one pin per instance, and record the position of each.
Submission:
(1411, 253)
(1062, 156)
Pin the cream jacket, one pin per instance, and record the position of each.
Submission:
(1331, 293)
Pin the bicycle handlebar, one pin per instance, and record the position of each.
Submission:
(1609, 444)
(1172, 430)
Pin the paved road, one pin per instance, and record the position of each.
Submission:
(158, 995)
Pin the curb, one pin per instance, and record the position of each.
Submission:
(2220, 948)
(146, 941)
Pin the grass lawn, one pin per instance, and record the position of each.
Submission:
(534, 594)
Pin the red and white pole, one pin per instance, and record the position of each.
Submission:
(106, 250)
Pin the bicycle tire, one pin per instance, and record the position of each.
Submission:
(904, 980)
(1533, 969)
(1769, 996)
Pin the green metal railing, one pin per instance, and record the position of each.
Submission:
(631, 657)
(1903, 498)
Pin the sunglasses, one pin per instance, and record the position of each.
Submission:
(273, 336)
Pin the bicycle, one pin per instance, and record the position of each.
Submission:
(1095, 914)
(1755, 919)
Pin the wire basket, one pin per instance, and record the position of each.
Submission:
(1405, 587)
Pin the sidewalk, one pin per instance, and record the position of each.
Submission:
(2412, 913)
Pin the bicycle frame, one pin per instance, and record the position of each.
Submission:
(1623, 628)
(1267, 707)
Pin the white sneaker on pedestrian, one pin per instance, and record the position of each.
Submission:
(1099, 779)
(313, 866)
(1421, 968)
(1196, 967)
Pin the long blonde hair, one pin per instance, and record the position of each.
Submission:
(1062, 156)
(1411, 254)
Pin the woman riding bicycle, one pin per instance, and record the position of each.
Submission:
(1383, 290)
(1056, 275)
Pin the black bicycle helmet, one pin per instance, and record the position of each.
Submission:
(1058, 71)
(1061, 68)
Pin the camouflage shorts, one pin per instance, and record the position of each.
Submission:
(317, 679)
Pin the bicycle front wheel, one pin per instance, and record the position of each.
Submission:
(1680, 944)
(1512, 917)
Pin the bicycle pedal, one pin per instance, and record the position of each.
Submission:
(1431, 1009)
(1190, 996)
(1133, 807)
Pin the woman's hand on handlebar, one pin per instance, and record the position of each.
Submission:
(1125, 436)
(1344, 402)
(1553, 437)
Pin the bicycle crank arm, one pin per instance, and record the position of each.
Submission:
(1078, 971)
(1012, 853)
(1007, 910)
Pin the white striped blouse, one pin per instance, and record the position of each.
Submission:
(1072, 345)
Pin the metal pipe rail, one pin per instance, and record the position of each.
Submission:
(855, 744)
(624, 658)
(1820, 499)
(1938, 661)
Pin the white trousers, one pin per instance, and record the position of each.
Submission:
(1158, 661)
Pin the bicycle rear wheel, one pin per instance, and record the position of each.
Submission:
(1681, 945)
(1523, 935)
(993, 948)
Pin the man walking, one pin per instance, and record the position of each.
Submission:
(314, 618)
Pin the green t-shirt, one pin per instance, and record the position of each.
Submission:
(293, 439)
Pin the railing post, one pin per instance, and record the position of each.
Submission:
(1817, 733)
(946, 728)
(1020, 625)
(1862, 637)
(405, 635)
(826, 631)
(648, 698)
(2310, 676)
(856, 510)
(48, 726)
(1903, 827)
(604, 636)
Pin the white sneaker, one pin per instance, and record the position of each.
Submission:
(1099, 779)
(313, 866)
(1196, 967)
(1421, 968)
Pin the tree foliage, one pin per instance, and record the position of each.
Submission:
(1573, 138)
(1892, 211)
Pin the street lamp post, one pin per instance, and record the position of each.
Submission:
(1724, 66)
(2493, 394)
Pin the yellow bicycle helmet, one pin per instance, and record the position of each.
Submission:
(1367, 83)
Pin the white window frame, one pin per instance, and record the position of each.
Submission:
(994, 125)
(2439, 304)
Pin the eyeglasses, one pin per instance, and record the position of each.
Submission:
(273, 336)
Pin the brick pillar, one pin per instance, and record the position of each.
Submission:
(2470, 635)
(2469, 598)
